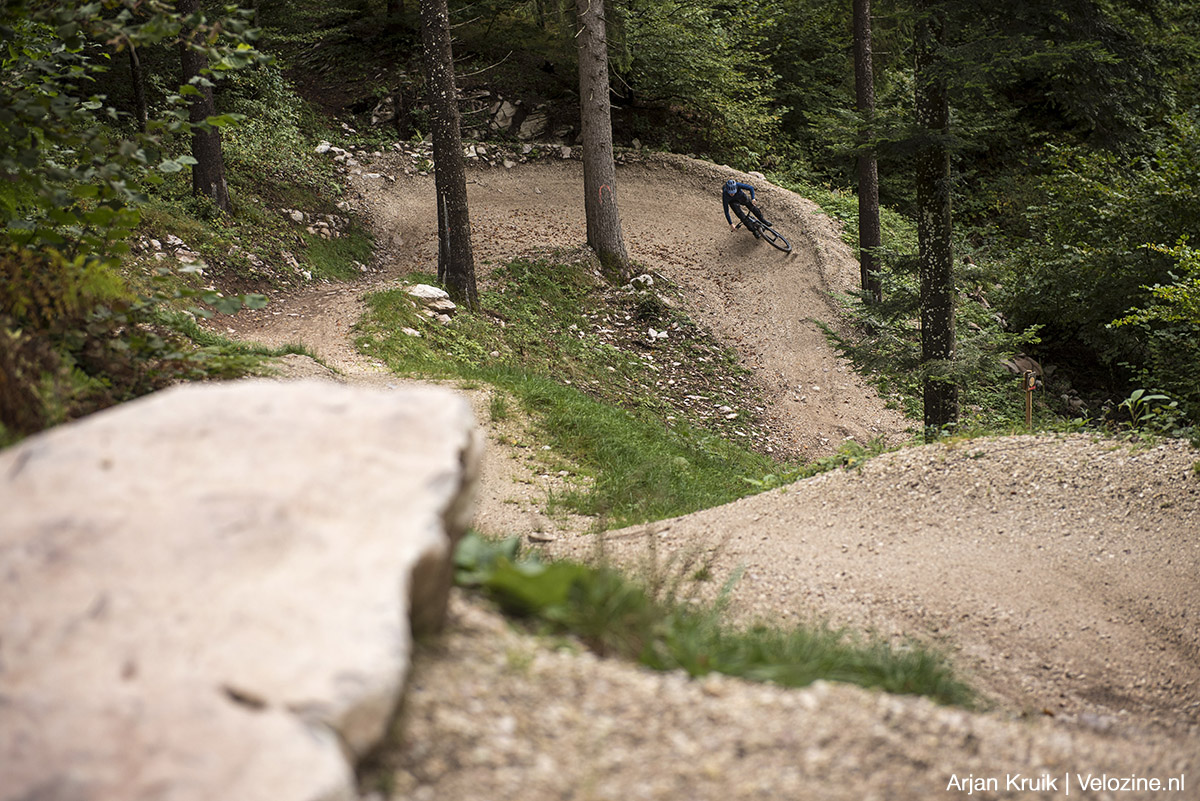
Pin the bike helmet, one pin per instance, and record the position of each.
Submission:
(731, 187)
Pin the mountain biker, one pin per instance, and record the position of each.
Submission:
(734, 195)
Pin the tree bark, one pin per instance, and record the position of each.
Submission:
(869, 233)
(208, 173)
(599, 171)
(456, 262)
(934, 230)
(139, 89)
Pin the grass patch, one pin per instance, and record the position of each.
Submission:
(339, 258)
(217, 356)
(616, 616)
(642, 470)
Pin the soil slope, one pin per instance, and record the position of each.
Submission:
(1060, 572)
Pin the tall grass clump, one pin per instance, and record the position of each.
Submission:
(616, 616)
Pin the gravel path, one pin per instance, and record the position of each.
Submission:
(1059, 572)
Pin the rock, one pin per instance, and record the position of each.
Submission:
(323, 147)
(220, 606)
(412, 332)
(534, 125)
(427, 292)
(565, 152)
(509, 164)
(503, 116)
(1020, 363)
(384, 111)
(444, 319)
(442, 306)
(297, 216)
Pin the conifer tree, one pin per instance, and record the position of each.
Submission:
(456, 261)
(599, 171)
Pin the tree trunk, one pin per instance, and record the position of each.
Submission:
(934, 229)
(139, 89)
(208, 173)
(599, 172)
(456, 262)
(869, 234)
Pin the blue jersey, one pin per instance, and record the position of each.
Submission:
(739, 197)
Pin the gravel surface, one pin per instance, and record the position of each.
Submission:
(495, 714)
(1060, 573)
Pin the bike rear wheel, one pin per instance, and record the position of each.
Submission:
(775, 238)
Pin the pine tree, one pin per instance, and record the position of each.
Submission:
(208, 173)
(869, 234)
(456, 262)
(599, 171)
(934, 225)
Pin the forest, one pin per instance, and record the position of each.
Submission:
(1068, 140)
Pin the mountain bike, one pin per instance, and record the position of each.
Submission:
(768, 233)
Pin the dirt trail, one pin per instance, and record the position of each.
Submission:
(1060, 572)
(759, 300)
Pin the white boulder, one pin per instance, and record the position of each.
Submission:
(210, 593)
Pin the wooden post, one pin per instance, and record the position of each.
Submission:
(1030, 385)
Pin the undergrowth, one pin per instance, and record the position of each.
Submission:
(668, 629)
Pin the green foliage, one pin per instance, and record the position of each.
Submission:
(75, 336)
(617, 617)
(1179, 301)
(1168, 329)
(269, 140)
(70, 176)
(76, 339)
(899, 233)
(888, 347)
(707, 58)
(1085, 265)
(1151, 411)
